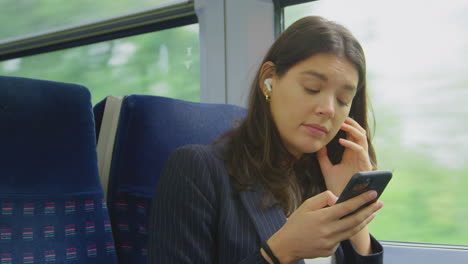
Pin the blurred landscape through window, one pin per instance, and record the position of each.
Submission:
(23, 17)
(164, 63)
(418, 83)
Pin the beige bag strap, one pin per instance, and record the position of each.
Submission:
(106, 140)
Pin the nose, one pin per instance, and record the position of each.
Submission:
(326, 106)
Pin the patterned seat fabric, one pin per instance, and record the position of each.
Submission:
(52, 209)
(150, 128)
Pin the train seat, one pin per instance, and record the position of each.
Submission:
(149, 129)
(52, 208)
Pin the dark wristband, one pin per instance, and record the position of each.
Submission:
(270, 254)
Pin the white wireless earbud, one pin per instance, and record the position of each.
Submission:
(268, 84)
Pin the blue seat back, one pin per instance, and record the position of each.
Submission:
(52, 208)
(150, 128)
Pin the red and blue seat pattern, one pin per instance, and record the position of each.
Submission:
(52, 209)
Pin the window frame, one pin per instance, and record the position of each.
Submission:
(427, 253)
(175, 14)
(280, 5)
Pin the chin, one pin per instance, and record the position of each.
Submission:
(310, 148)
(304, 146)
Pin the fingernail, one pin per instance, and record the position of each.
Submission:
(379, 204)
(373, 195)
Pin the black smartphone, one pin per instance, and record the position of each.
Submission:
(362, 182)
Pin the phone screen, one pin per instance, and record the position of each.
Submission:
(362, 182)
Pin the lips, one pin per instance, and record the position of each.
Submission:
(316, 129)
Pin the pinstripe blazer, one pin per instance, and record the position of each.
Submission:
(195, 217)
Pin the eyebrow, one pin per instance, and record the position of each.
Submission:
(324, 78)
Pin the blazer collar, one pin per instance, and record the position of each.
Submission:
(266, 220)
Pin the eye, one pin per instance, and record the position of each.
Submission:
(312, 91)
(342, 102)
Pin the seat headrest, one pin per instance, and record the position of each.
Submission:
(47, 138)
(151, 127)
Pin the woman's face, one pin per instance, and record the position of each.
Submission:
(311, 101)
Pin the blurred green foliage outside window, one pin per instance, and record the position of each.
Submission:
(164, 63)
(418, 85)
(24, 17)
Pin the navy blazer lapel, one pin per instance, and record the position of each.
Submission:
(266, 220)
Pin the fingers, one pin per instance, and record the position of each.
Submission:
(355, 224)
(356, 141)
(355, 134)
(351, 225)
(351, 205)
(361, 216)
(320, 200)
(362, 155)
(352, 145)
(355, 124)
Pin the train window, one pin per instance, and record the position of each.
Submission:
(32, 17)
(164, 63)
(418, 85)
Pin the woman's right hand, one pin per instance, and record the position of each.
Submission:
(314, 231)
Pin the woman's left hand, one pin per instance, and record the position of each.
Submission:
(355, 157)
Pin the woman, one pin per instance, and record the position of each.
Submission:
(266, 191)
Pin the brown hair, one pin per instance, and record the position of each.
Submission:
(254, 154)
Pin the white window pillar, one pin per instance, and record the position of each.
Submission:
(234, 37)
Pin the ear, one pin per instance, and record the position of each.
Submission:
(266, 71)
